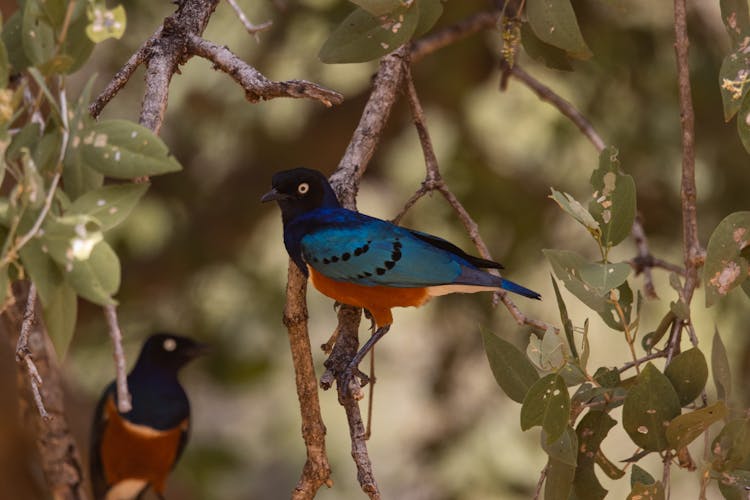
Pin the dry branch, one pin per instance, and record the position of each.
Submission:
(253, 29)
(124, 403)
(258, 87)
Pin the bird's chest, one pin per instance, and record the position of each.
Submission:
(137, 452)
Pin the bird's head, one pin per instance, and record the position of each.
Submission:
(300, 190)
(169, 352)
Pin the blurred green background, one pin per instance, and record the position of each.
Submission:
(202, 257)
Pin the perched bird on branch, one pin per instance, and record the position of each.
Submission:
(136, 450)
(371, 263)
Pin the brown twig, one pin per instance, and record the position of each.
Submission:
(640, 361)
(434, 181)
(23, 353)
(546, 94)
(643, 262)
(123, 76)
(258, 87)
(253, 29)
(317, 470)
(124, 402)
(452, 34)
(540, 483)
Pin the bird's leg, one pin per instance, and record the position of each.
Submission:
(369, 316)
(354, 363)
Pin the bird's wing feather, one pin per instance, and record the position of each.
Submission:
(359, 249)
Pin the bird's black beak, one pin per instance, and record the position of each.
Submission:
(197, 350)
(274, 195)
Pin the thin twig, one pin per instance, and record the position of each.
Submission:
(123, 75)
(640, 361)
(23, 353)
(124, 402)
(257, 87)
(434, 181)
(540, 483)
(640, 263)
(451, 34)
(253, 29)
(566, 108)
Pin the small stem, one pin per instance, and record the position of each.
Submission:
(628, 337)
(124, 402)
(253, 29)
(23, 353)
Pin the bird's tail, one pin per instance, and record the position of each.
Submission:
(520, 290)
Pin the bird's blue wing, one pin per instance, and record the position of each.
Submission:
(349, 246)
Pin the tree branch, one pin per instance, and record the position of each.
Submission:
(58, 452)
(454, 33)
(124, 402)
(253, 29)
(317, 470)
(258, 87)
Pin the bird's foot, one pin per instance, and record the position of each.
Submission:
(369, 316)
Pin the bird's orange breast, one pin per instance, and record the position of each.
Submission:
(377, 299)
(131, 451)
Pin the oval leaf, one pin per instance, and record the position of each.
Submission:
(429, 13)
(649, 407)
(613, 204)
(564, 448)
(591, 431)
(105, 23)
(685, 428)
(362, 37)
(109, 205)
(576, 210)
(743, 123)
(605, 277)
(378, 7)
(688, 373)
(97, 278)
(554, 22)
(60, 317)
(38, 37)
(720, 368)
(725, 267)
(732, 446)
(547, 404)
(514, 373)
(647, 492)
(559, 480)
(124, 150)
(734, 81)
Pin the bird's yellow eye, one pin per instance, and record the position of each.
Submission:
(170, 345)
(303, 188)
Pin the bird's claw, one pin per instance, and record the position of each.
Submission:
(368, 315)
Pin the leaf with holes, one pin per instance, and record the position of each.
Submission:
(736, 18)
(96, 278)
(555, 23)
(362, 37)
(38, 37)
(605, 277)
(684, 429)
(513, 372)
(734, 81)
(731, 447)
(725, 267)
(613, 204)
(649, 407)
(688, 373)
(547, 404)
(124, 150)
(552, 57)
(720, 368)
(647, 492)
(78, 177)
(105, 23)
(591, 431)
(109, 205)
(577, 211)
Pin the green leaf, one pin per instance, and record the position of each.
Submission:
(109, 205)
(378, 7)
(78, 177)
(77, 46)
(60, 318)
(613, 204)
(576, 210)
(559, 482)
(720, 368)
(686, 428)
(639, 475)
(362, 37)
(735, 484)
(567, 324)
(4, 284)
(33, 184)
(13, 39)
(97, 278)
(429, 13)
(552, 57)
(725, 267)
(731, 447)
(547, 354)
(37, 35)
(567, 267)
(591, 431)
(734, 81)
(649, 406)
(124, 150)
(607, 377)
(107, 23)
(605, 277)
(42, 270)
(606, 465)
(736, 18)
(547, 404)
(564, 448)
(514, 373)
(4, 66)
(554, 22)
(743, 123)
(27, 138)
(688, 373)
(647, 492)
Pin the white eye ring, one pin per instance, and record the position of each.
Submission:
(303, 188)
(170, 345)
